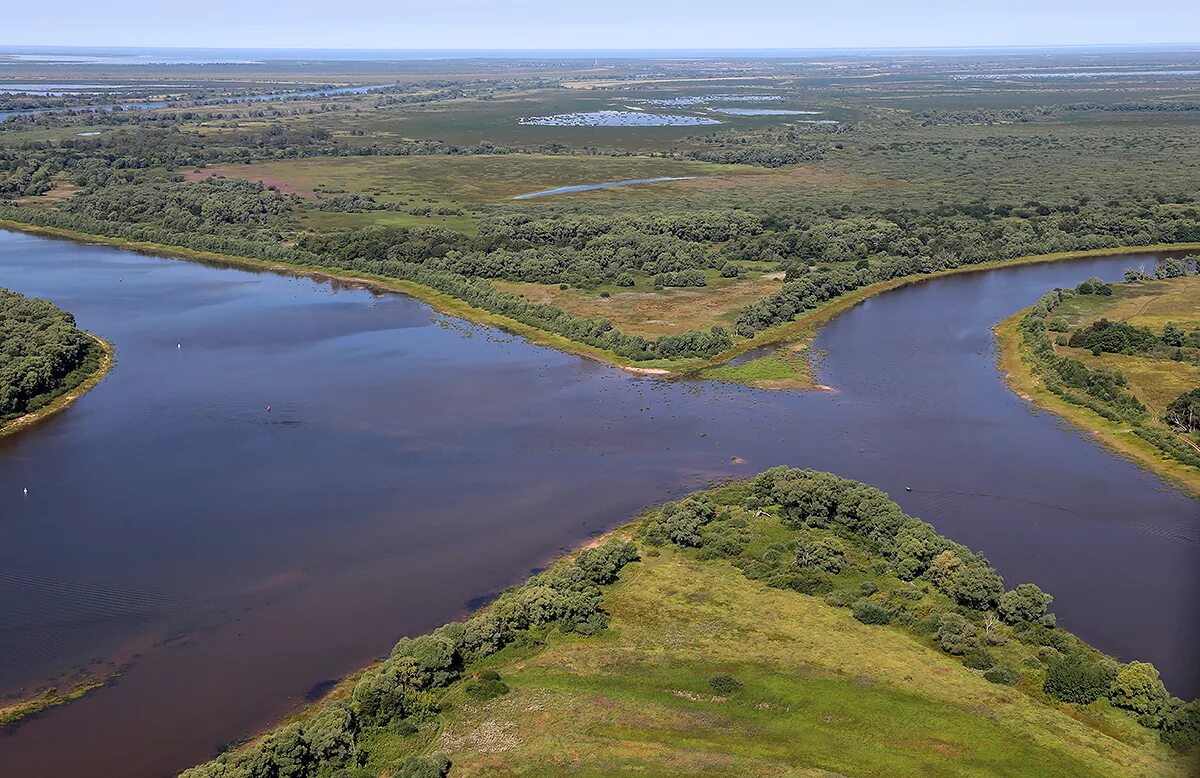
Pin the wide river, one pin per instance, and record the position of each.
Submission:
(234, 560)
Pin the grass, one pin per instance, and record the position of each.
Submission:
(781, 368)
(469, 179)
(75, 385)
(821, 694)
(13, 712)
(644, 311)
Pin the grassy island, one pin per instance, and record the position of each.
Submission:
(796, 623)
(48, 361)
(1121, 361)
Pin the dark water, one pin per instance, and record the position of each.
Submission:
(238, 559)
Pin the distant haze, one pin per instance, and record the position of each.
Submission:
(616, 24)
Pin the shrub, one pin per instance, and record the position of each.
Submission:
(978, 659)
(955, 634)
(839, 599)
(871, 612)
(1181, 725)
(1006, 676)
(1076, 679)
(486, 689)
(421, 767)
(724, 684)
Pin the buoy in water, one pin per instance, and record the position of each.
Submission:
(178, 345)
(25, 491)
(908, 488)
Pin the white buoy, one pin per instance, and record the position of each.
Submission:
(178, 345)
(25, 491)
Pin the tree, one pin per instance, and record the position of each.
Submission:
(1184, 411)
(1171, 267)
(824, 555)
(975, 585)
(1027, 603)
(1138, 688)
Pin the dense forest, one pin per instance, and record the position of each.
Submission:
(42, 353)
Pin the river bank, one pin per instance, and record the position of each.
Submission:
(1016, 367)
(799, 330)
(73, 388)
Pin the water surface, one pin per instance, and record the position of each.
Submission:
(238, 558)
(606, 185)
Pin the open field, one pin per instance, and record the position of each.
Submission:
(1150, 304)
(663, 312)
(821, 694)
(471, 179)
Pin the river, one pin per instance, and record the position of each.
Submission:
(236, 559)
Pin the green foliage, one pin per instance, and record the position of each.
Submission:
(724, 684)
(1184, 411)
(955, 634)
(823, 554)
(1181, 724)
(1079, 679)
(403, 687)
(1114, 337)
(1024, 604)
(1005, 676)
(1138, 688)
(40, 346)
(978, 659)
(487, 688)
(422, 767)
(870, 612)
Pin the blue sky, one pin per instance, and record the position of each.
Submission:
(557, 24)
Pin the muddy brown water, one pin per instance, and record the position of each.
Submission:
(234, 561)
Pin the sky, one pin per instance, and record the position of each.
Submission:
(606, 24)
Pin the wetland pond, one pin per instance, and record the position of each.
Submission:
(235, 560)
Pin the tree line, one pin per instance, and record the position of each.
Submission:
(42, 353)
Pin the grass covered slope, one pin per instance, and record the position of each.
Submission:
(795, 624)
(1119, 360)
(43, 356)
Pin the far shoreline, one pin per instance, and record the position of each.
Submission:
(801, 329)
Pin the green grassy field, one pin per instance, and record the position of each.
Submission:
(822, 694)
(1150, 304)
(474, 179)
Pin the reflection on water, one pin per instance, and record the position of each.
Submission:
(408, 464)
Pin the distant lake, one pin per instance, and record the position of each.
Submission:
(616, 119)
(766, 112)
